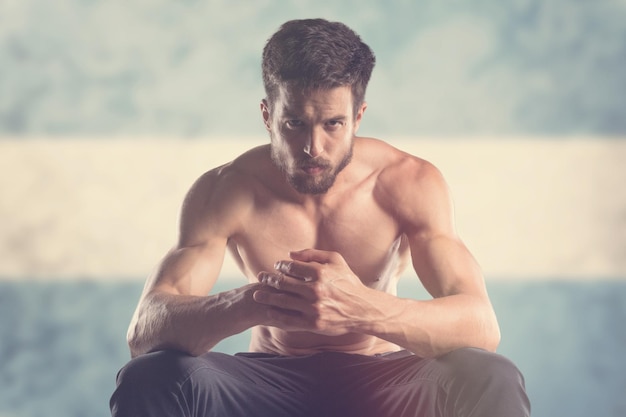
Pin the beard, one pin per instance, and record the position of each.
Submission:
(311, 184)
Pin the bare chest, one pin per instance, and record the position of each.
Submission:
(369, 239)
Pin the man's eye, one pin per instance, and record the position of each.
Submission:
(294, 123)
(334, 124)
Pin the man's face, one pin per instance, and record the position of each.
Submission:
(312, 134)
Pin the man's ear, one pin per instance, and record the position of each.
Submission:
(265, 112)
(359, 116)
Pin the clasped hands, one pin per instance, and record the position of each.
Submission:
(315, 291)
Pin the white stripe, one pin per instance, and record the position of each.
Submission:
(526, 207)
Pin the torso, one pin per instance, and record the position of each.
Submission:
(351, 222)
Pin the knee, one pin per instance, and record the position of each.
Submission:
(484, 384)
(152, 381)
(480, 367)
(155, 373)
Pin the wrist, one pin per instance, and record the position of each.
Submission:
(373, 317)
(239, 311)
(382, 315)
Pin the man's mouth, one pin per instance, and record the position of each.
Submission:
(314, 169)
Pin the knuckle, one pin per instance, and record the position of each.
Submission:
(316, 311)
(275, 280)
(269, 279)
(319, 324)
(319, 291)
(324, 274)
(284, 266)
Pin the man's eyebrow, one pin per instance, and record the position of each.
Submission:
(340, 117)
(290, 115)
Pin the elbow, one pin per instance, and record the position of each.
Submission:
(140, 346)
(138, 337)
(133, 342)
(491, 334)
(134, 351)
(492, 340)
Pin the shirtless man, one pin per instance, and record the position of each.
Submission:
(322, 223)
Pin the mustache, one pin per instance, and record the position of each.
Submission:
(313, 163)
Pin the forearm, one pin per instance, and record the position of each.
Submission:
(434, 327)
(193, 324)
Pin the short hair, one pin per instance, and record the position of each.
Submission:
(316, 53)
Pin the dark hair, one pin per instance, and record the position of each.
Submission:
(316, 53)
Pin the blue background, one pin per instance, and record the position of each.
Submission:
(192, 68)
(61, 344)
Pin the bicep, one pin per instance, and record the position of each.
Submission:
(440, 258)
(206, 223)
(191, 270)
(445, 266)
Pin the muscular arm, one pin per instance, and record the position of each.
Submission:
(175, 311)
(460, 313)
(336, 302)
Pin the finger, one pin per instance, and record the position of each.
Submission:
(284, 301)
(314, 255)
(285, 283)
(296, 269)
(270, 278)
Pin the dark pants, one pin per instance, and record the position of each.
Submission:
(463, 383)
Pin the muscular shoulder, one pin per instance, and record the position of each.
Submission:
(218, 201)
(412, 189)
(396, 170)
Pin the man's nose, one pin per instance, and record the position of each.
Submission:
(314, 145)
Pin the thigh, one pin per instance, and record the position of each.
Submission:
(215, 384)
(465, 382)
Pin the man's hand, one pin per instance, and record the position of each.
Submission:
(315, 291)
